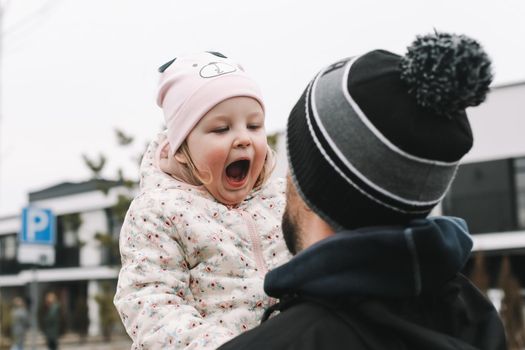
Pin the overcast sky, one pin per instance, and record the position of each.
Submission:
(73, 70)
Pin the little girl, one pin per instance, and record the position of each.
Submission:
(205, 227)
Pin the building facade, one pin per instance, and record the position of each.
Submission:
(489, 189)
(86, 263)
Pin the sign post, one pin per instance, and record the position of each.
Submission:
(36, 246)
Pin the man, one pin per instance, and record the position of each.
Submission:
(51, 320)
(374, 143)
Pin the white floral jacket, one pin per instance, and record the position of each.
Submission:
(192, 268)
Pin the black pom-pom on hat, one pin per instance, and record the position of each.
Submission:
(446, 72)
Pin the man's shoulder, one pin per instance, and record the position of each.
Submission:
(303, 326)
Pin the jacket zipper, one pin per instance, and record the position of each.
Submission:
(256, 243)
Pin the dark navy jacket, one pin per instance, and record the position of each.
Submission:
(379, 288)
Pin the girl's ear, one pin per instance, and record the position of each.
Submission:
(181, 158)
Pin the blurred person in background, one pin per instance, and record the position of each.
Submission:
(19, 323)
(51, 320)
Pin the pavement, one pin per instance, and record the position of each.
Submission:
(113, 345)
(72, 341)
(121, 344)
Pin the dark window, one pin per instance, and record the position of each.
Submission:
(484, 194)
(8, 262)
(67, 246)
(109, 242)
(519, 166)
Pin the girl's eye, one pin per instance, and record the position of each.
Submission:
(220, 130)
(254, 126)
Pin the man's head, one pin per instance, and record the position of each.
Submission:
(376, 139)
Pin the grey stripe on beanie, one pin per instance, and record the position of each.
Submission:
(361, 189)
(368, 154)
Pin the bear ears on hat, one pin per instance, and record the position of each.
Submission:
(165, 66)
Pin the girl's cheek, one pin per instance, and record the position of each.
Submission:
(216, 152)
(213, 158)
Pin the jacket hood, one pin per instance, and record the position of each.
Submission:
(378, 261)
(152, 178)
(400, 283)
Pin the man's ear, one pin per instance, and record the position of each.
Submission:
(181, 158)
(291, 194)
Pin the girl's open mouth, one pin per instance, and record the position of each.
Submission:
(237, 171)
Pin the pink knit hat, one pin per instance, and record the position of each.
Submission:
(193, 84)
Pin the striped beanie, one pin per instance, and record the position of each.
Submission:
(376, 139)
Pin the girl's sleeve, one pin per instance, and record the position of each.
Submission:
(153, 296)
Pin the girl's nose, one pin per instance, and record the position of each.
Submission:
(242, 140)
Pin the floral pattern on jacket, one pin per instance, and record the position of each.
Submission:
(192, 268)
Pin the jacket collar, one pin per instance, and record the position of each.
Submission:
(377, 261)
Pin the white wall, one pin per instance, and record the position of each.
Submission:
(281, 165)
(60, 274)
(498, 125)
(10, 225)
(92, 222)
(94, 317)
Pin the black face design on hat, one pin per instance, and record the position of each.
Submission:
(215, 69)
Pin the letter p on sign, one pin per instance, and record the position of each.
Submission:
(38, 226)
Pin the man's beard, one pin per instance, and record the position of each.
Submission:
(290, 232)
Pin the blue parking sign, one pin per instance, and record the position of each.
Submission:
(38, 226)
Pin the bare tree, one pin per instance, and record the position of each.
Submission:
(511, 306)
(479, 275)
